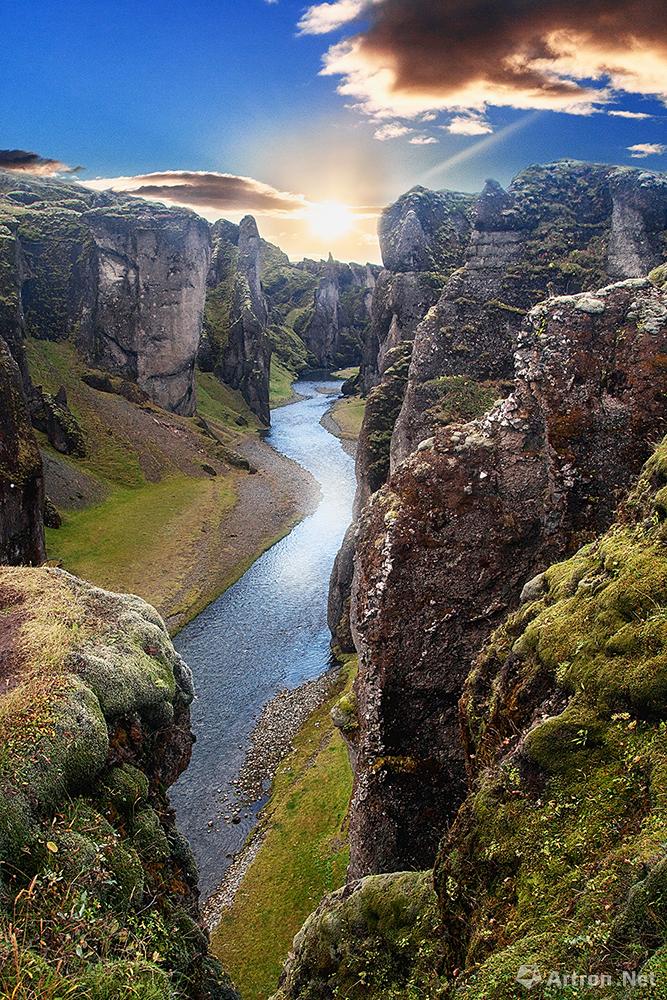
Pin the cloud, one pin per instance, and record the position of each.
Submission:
(415, 56)
(22, 161)
(393, 130)
(203, 190)
(638, 115)
(322, 18)
(468, 125)
(423, 140)
(643, 149)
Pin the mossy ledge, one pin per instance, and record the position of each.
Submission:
(556, 860)
(98, 895)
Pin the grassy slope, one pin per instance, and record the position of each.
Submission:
(133, 540)
(348, 414)
(280, 387)
(140, 536)
(304, 855)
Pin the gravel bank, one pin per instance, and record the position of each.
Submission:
(270, 744)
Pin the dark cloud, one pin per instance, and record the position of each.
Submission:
(23, 161)
(214, 191)
(528, 53)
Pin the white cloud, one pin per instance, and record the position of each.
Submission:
(468, 125)
(423, 140)
(638, 115)
(322, 18)
(392, 130)
(643, 149)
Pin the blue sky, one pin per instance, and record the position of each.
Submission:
(127, 89)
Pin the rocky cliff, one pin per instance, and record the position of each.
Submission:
(97, 888)
(340, 313)
(551, 876)
(444, 550)
(423, 237)
(559, 229)
(564, 227)
(21, 476)
(152, 269)
(122, 279)
(235, 342)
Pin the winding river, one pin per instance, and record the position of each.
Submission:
(267, 632)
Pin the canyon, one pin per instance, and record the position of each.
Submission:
(502, 583)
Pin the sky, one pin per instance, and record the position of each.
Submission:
(312, 118)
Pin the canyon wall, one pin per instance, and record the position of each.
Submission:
(563, 398)
(235, 343)
(554, 866)
(123, 279)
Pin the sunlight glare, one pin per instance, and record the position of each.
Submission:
(330, 219)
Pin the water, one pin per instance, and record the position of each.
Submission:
(266, 633)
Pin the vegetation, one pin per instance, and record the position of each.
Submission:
(280, 386)
(348, 414)
(145, 494)
(96, 898)
(303, 854)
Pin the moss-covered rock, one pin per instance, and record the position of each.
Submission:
(97, 890)
(372, 940)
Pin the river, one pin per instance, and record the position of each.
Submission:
(267, 632)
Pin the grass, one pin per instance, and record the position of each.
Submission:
(348, 414)
(280, 386)
(219, 403)
(304, 854)
(345, 373)
(133, 539)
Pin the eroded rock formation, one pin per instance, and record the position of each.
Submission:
(122, 279)
(21, 475)
(236, 345)
(560, 228)
(95, 723)
(152, 270)
(555, 863)
(444, 550)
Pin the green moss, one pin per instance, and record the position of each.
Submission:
(303, 854)
(374, 940)
(459, 399)
(557, 857)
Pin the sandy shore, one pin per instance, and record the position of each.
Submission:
(329, 422)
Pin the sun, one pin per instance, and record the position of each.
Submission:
(330, 219)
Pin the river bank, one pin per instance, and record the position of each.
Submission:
(267, 633)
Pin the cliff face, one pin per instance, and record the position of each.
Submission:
(236, 344)
(340, 312)
(423, 237)
(446, 547)
(555, 862)
(558, 229)
(152, 269)
(95, 723)
(122, 279)
(21, 476)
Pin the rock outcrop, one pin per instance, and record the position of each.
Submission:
(21, 475)
(341, 311)
(423, 239)
(560, 228)
(123, 279)
(152, 269)
(552, 875)
(445, 548)
(97, 888)
(235, 344)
